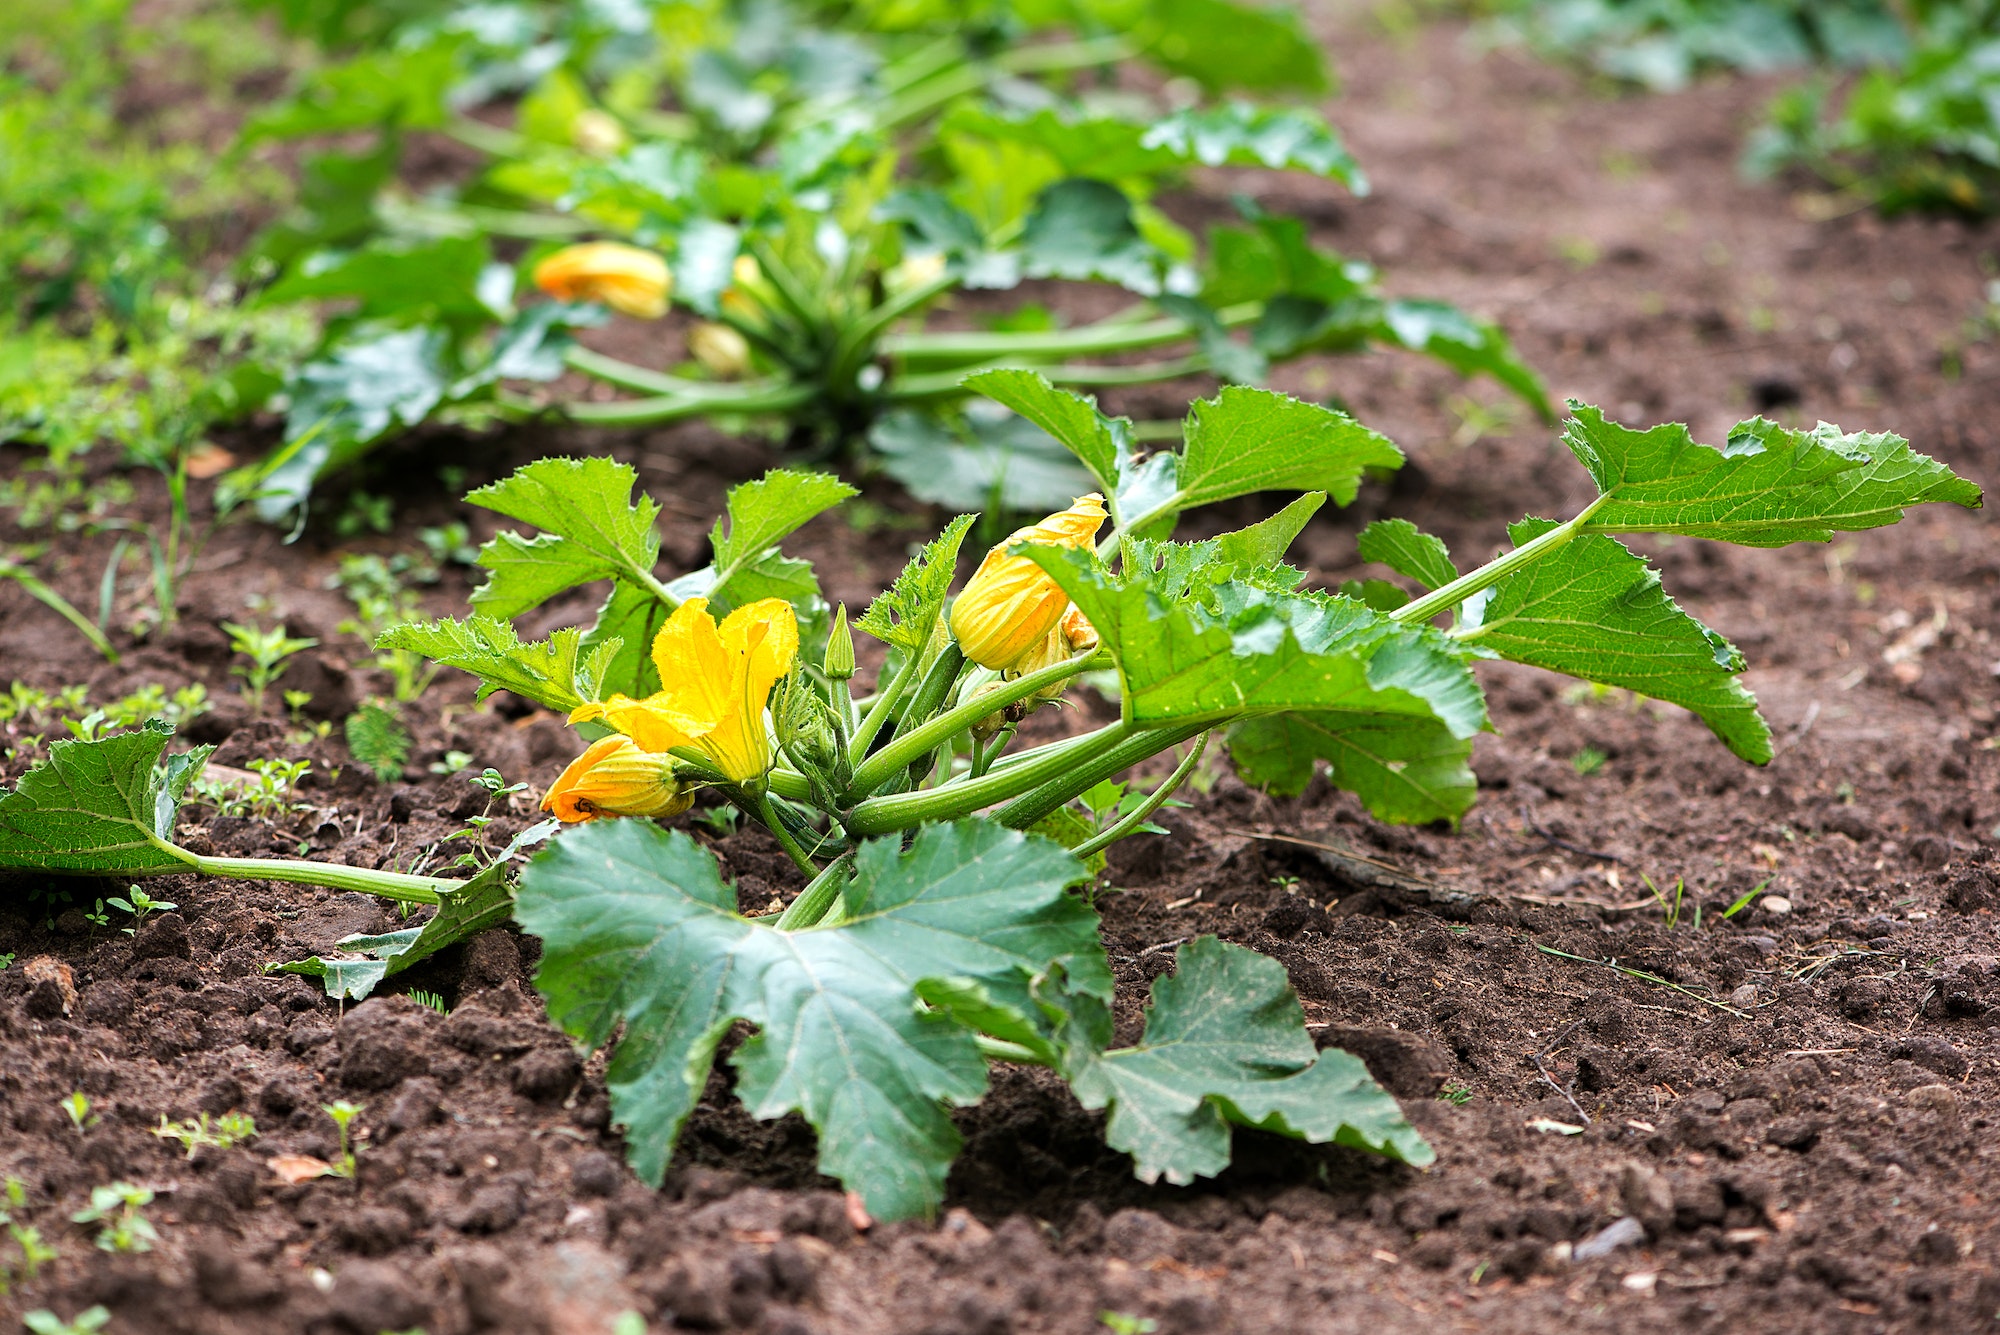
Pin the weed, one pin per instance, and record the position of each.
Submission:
(1672, 908)
(1588, 761)
(430, 999)
(382, 599)
(120, 1208)
(1477, 421)
(1744, 900)
(453, 762)
(266, 798)
(1124, 1323)
(268, 652)
(87, 1322)
(378, 740)
(343, 1114)
(141, 905)
(226, 1131)
(1456, 1093)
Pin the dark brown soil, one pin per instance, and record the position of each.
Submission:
(1798, 1126)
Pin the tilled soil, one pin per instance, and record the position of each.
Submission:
(1784, 1115)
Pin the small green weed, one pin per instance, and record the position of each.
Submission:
(87, 1322)
(343, 1114)
(77, 1105)
(120, 1209)
(226, 1131)
(1588, 761)
(1125, 1323)
(379, 741)
(1456, 1094)
(141, 906)
(268, 652)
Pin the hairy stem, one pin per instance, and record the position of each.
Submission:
(1089, 771)
(1456, 592)
(760, 803)
(909, 746)
(900, 811)
(819, 895)
(388, 884)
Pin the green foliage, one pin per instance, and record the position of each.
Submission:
(120, 1209)
(87, 1322)
(268, 652)
(906, 613)
(1663, 44)
(485, 901)
(973, 919)
(557, 673)
(1407, 550)
(223, 1133)
(378, 740)
(591, 530)
(1225, 1044)
(1921, 133)
(104, 807)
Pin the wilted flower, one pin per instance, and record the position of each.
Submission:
(721, 349)
(715, 682)
(1011, 605)
(625, 278)
(615, 778)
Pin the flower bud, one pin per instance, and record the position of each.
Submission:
(721, 349)
(630, 280)
(1010, 605)
(810, 734)
(916, 271)
(598, 133)
(615, 778)
(840, 648)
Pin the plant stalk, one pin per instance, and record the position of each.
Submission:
(818, 896)
(1126, 825)
(910, 746)
(900, 811)
(1456, 592)
(388, 884)
(1135, 745)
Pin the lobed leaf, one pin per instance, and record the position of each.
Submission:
(1411, 771)
(1409, 551)
(1226, 45)
(977, 460)
(639, 930)
(906, 613)
(764, 512)
(1766, 487)
(559, 673)
(1593, 609)
(1102, 443)
(1082, 228)
(102, 807)
(591, 529)
(1224, 1043)
(1246, 440)
(1242, 135)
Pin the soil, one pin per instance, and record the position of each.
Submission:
(1785, 1122)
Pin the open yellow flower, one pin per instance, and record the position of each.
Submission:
(714, 683)
(1010, 605)
(616, 778)
(625, 278)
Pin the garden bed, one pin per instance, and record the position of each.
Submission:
(1793, 1106)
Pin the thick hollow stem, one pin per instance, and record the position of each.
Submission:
(878, 710)
(763, 397)
(1088, 772)
(1456, 592)
(900, 811)
(1107, 336)
(388, 884)
(1144, 811)
(761, 804)
(909, 746)
(627, 376)
(818, 896)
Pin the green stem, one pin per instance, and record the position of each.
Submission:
(819, 896)
(627, 376)
(1000, 1050)
(55, 602)
(493, 139)
(1069, 780)
(942, 384)
(761, 803)
(899, 811)
(922, 96)
(878, 712)
(388, 884)
(859, 338)
(764, 397)
(1106, 838)
(929, 736)
(1114, 335)
(1456, 592)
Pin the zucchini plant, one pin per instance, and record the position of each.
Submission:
(817, 198)
(938, 928)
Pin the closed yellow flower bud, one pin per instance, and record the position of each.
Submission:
(615, 778)
(1010, 605)
(721, 349)
(627, 279)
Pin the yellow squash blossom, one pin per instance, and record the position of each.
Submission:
(1010, 606)
(715, 681)
(616, 778)
(625, 278)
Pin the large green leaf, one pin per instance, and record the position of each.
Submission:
(1594, 610)
(762, 513)
(623, 632)
(1225, 1042)
(1410, 771)
(1101, 442)
(591, 529)
(102, 807)
(1242, 135)
(1768, 486)
(1081, 229)
(905, 614)
(640, 931)
(558, 673)
(977, 460)
(1259, 48)
(1246, 440)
